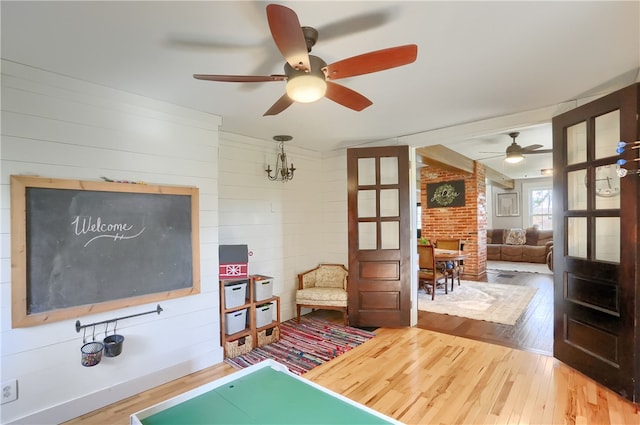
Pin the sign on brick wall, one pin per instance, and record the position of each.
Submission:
(445, 194)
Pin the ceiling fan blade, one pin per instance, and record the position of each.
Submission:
(538, 151)
(240, 78)
(355, 24)
(378, 60)
(288, 36)
(281, 104)
(489, 157)
(192, 42)
(346, 97)
(530, 148)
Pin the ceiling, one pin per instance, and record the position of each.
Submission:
(476, 62)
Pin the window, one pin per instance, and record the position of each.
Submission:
(539, 208)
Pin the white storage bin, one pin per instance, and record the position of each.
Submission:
(235, 293)
(262, 287)
(264, 314)
(235, 321)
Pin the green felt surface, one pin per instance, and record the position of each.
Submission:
(266, 396)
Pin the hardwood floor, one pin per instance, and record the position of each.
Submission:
(423, 377)
(533, 331)
(419, 376)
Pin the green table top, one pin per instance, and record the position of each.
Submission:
(265, 396)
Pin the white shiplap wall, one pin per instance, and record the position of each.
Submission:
(288, 227)
(58, 127)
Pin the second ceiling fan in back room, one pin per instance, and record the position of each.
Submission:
(308, 77)
(515, 153)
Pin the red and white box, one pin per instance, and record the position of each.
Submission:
(234, 261)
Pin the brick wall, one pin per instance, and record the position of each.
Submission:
(468, 223)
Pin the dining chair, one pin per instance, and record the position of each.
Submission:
(456, 268)
(428, 271)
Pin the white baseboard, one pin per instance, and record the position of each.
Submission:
(78, 407)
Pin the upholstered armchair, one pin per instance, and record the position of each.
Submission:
(324, 287)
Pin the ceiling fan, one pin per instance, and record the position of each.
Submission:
(308, 77)
(515, 153)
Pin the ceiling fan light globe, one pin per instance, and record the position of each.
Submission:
(306, 88)
(513, 157)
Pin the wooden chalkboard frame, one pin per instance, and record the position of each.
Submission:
(19, 252)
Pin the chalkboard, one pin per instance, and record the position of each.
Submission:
(95, 246)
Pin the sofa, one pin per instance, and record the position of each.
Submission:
(527, 245)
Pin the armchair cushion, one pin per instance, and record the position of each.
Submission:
(329, 276)
(324, 276)
(322, 296)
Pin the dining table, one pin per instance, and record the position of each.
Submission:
(450, 255)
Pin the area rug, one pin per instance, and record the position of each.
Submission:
(513, 266)
(492, 302)
(306, 345)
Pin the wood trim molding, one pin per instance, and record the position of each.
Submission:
(444, 158)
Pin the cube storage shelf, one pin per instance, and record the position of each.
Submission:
(264, 314)
(262, 287)
(235, 321)
(248, 323)
(235, 293)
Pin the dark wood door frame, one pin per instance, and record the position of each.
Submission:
(597, 303)
(380, 277)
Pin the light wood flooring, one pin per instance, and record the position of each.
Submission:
(532, 332)
(419, 376)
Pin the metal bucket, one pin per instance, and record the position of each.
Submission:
(113, 345)
(91, 353)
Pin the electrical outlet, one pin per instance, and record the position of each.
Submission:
(9, 390)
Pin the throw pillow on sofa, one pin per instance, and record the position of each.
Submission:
(516, 237)
(497, 236)
(532, 236)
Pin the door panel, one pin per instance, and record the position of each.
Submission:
(596, 242)
(379, 237)
(379, 270)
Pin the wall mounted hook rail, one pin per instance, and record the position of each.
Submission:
(79, 326)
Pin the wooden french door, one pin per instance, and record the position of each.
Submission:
(379, 236)
(596, 255)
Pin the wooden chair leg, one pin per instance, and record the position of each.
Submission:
(433, 289)
(344, 317)
(298, 308)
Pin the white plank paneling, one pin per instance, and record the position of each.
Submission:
(58, 127)
(55, 126)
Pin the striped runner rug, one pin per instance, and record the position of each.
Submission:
(306, 345)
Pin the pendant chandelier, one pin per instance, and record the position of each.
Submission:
(282, 171)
